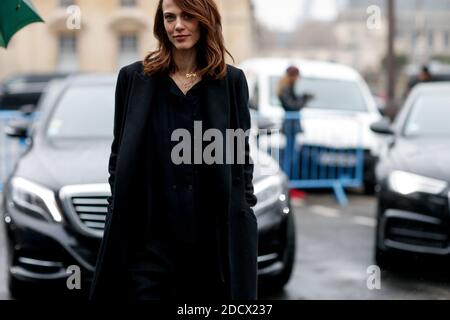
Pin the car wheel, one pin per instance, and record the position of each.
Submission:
(278, 281)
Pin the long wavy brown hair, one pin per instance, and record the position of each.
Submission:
(210, 48)
(286, 81)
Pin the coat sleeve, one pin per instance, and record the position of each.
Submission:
(245, 122)
(119, 113)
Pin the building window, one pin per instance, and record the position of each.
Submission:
(66, 3)
(67, 59)
(128, 3)
(128, 49)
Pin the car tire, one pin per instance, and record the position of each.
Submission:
(277, 282)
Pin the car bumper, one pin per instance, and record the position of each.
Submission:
(416, 223)
(41, 252)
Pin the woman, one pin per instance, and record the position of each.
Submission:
(291, 102)
(179, 231)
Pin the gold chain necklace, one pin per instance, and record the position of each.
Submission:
(192, 78)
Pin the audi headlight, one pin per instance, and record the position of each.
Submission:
(34, 199)
(407, 183)
(269, 191)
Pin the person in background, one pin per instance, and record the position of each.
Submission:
(424, 76)
(291, 102)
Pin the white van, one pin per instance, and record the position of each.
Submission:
(340, 114)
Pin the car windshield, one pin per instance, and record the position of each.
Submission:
(429, 116)
(328, 94)
(83, 112)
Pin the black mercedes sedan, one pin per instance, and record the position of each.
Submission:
(54, 202)
(413, 177)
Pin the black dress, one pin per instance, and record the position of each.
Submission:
(180, 257)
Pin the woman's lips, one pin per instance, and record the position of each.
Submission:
(180, 38)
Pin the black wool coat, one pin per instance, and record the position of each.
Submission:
(226, 102)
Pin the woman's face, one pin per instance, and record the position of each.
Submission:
(182, 29)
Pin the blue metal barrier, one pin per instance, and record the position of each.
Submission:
(314, 166)
(10, 148)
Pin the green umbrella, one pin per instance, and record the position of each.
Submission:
(14, 15)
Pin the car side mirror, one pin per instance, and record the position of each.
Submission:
(17, 129)
(382, 111)
(382, 127)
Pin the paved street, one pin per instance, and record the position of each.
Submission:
(335, 248)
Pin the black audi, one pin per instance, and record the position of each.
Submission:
(413, 177)
(54, 202)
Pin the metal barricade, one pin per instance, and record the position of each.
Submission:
(316, 164)
(10, 148)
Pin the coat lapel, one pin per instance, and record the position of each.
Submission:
(217, 116)
(134, 135)
(139, 104)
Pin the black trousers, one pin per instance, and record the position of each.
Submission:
(158, 271)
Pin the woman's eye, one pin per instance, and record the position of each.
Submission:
(169, 18)
(187, 16)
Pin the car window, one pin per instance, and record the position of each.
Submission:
(83, 112)
(328, 94)
(429, 116)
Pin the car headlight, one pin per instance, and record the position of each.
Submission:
(35, 199)
(268, 191)
(407, 183)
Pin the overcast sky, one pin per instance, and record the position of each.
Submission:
(283, 14)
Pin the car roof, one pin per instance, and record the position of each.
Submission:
(87, 79)
(35, 77)
(308, 68)
(432, 87)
